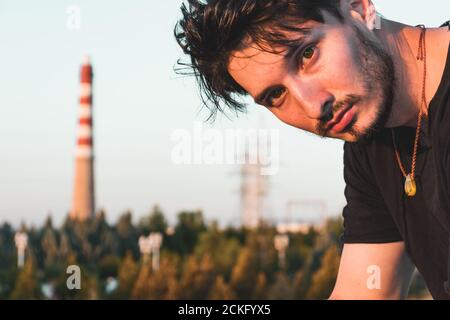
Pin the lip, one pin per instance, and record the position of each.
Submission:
(342, 119)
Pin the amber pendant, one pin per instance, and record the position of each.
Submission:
(410, 186)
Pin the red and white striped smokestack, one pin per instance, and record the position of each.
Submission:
(83, 198)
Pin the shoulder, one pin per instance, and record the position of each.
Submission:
(438, 109)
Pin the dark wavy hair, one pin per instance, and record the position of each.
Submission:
(211, 30)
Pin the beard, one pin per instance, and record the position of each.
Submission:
(377, 73)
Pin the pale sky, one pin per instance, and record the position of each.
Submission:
(138, 103)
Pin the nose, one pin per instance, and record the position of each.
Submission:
(316, 102)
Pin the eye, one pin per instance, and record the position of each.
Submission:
(307, 55)
(273, 98)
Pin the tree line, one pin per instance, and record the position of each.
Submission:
(198, 260)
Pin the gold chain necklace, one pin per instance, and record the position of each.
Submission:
(410, 183)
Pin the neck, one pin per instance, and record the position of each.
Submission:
(402, 42)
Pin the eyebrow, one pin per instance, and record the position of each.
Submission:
(291, 51)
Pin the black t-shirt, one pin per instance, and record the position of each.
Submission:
(379, 211)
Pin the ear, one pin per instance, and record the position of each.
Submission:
(361, 10)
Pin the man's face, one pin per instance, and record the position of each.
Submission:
(337, 83)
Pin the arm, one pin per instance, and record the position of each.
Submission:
(361, 262)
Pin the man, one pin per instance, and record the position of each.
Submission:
(333, 68)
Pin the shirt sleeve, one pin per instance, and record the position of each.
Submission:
(366, 217)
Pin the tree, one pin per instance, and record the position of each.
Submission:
(65, 248)
(189, 226)
(49, 245)
(197, 261)
(301, 284)
(282, 288)
(297, 253)
(127, 235)
(334, 229)
(7, 246)
(101, 237)
(260, 291)
(141, 288)
(127, 274)
(154, 222)
(244, 273)
(108, 267)
(163, 282)
(89, 283)
(8, 270)
(221, 290)
(198, 278)
(324, 278)
(26, 287)
(223, 251)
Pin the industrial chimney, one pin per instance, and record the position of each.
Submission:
(83, 197)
